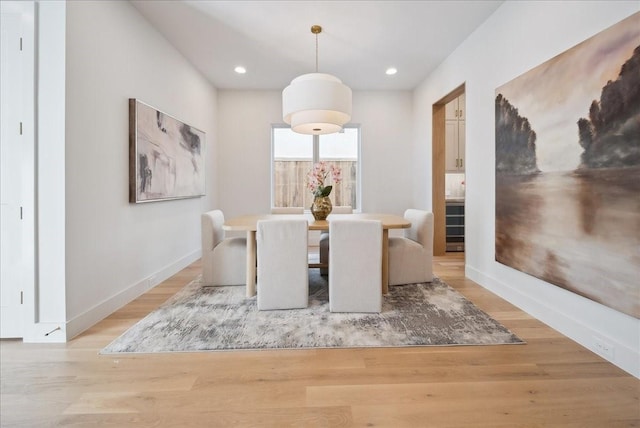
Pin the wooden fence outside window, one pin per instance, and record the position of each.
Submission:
(290, 183)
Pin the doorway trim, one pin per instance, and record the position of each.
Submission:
(438, 170)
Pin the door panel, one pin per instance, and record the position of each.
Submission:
(451, 145)
(11, 107)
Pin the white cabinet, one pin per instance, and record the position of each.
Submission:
(454, 110)
(455, 135)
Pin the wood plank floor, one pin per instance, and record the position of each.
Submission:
(549, 382)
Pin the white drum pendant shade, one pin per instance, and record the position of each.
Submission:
(316, 103)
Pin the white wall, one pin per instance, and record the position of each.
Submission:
(51, 162)
(116, 250)
(244, 170)
(518, 37)
(386, 127)
(244, 137)
(44, 293)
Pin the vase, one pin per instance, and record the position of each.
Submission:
(321, 207)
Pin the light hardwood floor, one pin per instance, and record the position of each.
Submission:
(549, 382)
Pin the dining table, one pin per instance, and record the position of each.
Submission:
(249, 224)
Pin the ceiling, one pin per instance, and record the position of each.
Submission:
(273, 39)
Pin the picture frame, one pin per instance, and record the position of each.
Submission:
(166, 156)
(567, 169)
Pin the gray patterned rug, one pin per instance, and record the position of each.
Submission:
(217, 318)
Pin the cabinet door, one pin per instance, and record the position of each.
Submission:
(451, 110)
(451, 145)
(455, 135)
(461, 145)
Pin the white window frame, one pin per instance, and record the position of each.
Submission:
(316, 158)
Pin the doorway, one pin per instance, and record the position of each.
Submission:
(448, 179)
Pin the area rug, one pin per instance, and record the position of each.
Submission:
(221, 318)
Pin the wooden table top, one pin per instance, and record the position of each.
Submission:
(249, 222)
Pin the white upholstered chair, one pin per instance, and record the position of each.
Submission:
(324, 237)
(355, 283)
(223, 259)
(411, 256)
(283, 271)
(342, 209)
(287, 210)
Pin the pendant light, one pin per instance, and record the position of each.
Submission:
(316, 103)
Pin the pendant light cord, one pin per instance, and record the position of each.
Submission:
(316, 52)
(316, 29)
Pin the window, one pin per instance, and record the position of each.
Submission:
(294, 155)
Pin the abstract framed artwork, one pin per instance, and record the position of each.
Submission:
(166, 156)
(568, 169)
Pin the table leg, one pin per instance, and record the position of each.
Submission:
(251, 263)
(385, 261)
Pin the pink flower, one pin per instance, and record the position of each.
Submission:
(318, 175)
(336, 174)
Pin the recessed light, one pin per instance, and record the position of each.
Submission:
(240, 69)
(391, 71)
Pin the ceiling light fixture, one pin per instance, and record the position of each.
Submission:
(240, 69)
(316, 103)
(391, 71)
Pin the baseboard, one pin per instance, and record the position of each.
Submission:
(625, 357)
(45, 332)
(102, 310)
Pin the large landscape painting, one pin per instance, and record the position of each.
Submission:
(568, 169)
(166, 156)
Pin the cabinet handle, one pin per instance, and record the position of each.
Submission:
(460, 163)
(457, 160)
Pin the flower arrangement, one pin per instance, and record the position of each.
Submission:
(317, 178)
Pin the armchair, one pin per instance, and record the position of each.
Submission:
(355, 284)
(411, 256)
(324, 237)
(223, 259)
(283, 272)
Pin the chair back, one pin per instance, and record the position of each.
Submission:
(223, 259)
(342, 209)
(355, 266)
(287, 210)
(212, 232)
(421, 229)
(283, 264)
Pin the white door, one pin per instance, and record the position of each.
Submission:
(13, 104)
